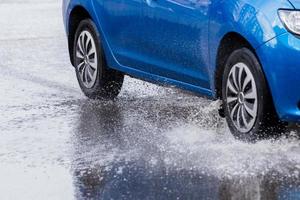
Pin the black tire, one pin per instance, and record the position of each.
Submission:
(107, 83)
(266, 123)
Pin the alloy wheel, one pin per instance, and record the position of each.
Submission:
(241, 97)
(87, 59)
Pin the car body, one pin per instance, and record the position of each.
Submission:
(183, 42)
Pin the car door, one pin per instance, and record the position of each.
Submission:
(175, 39)
(121, 23)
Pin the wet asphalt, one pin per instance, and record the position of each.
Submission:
(152, 142)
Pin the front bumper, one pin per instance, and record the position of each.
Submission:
(280, 58)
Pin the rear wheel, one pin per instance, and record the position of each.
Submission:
(247, 102)
(96, 80)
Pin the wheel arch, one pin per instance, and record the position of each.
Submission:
(243, 22)
(77, 14)
(230, 42)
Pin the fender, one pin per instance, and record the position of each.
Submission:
(68, 6)
(248, 18)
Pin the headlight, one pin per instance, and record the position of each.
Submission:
(291, 20)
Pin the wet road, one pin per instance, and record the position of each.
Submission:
(151, 143)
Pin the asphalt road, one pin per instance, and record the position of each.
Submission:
(152, 142)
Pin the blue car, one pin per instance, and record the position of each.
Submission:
(244, 52)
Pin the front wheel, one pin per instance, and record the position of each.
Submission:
(247, 102)
(96, 80)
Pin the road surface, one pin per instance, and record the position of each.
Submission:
(152, 142)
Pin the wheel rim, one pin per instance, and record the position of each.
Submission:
(241, 97)
(86, 56)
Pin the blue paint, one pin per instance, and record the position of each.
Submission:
(177, 41)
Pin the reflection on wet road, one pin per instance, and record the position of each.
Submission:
(151, 143)
(129, 150)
